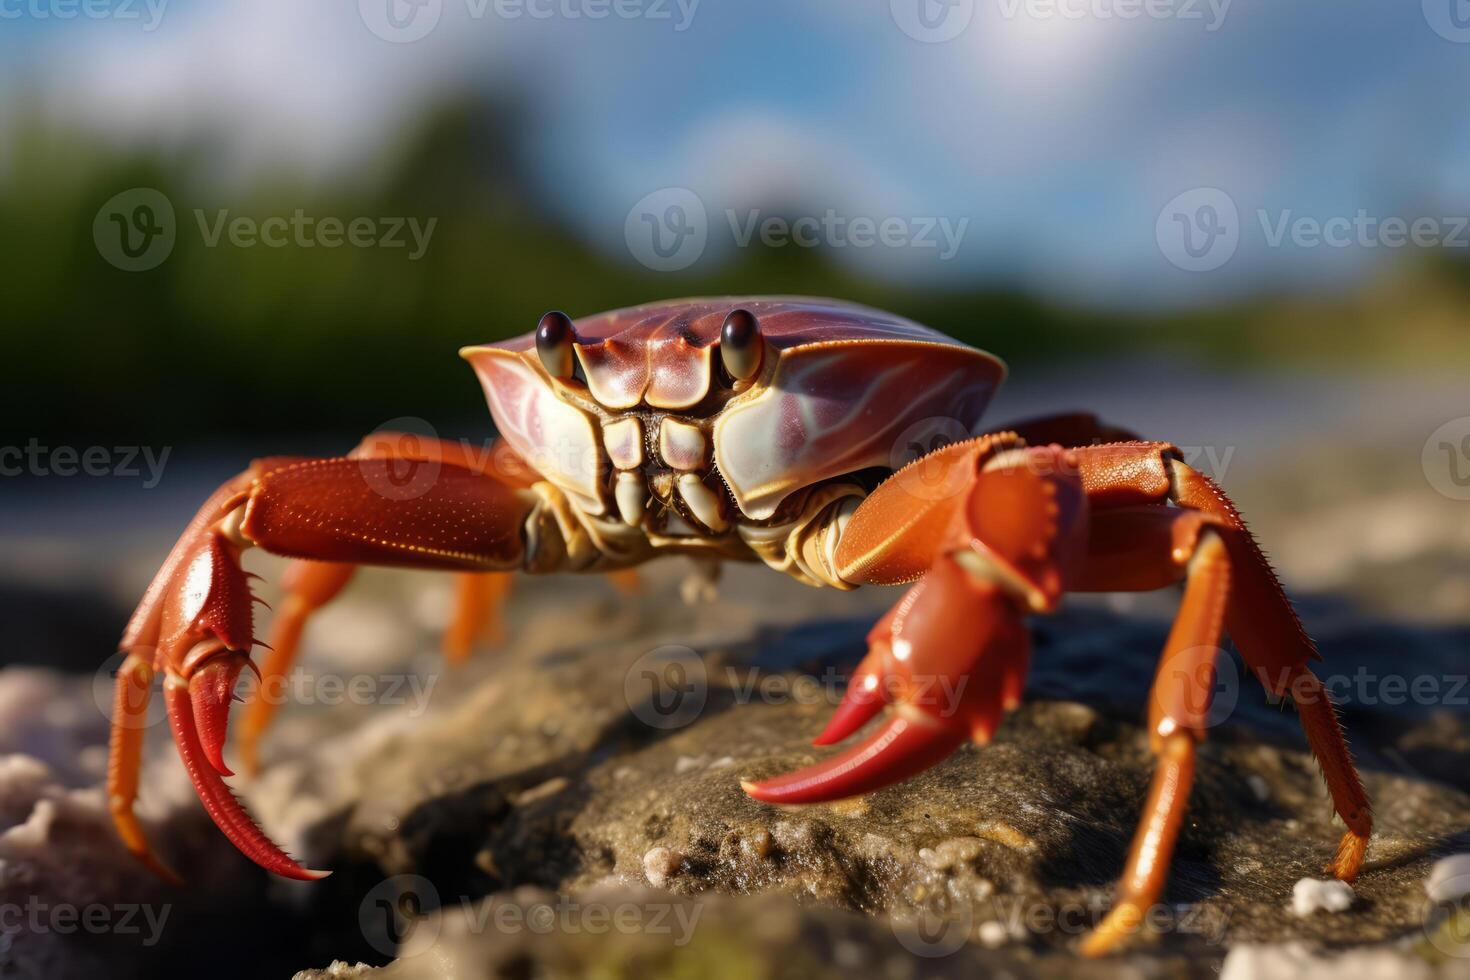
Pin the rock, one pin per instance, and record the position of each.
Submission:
(660, 864)
(598, 750)
(1315, 895)
(1298, 961)
(1449, 879)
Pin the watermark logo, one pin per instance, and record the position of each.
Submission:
(917, 472)
(396, 910)
(129, 462)
(667, 687)
(1210, 13)
(1450, 19)
(1197, 685)
(1446, 459)
(406, 21)
(1199, 230)
(401, 21)
(667, 230)
(940, 929)
(35, 917)
(141, 709)
(400, 459)
(135, 230)
(1446, 921)
(932, 21)
(147, 12)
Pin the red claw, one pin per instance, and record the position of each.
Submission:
(950, 658)
(223, 808)
(211, 689)
(862, 700)
(907, 744)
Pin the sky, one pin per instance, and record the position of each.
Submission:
(1116, 152)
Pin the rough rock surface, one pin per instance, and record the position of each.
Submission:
(587, 765)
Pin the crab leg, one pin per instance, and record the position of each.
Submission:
(1020, 526)
(125, 756)
(310, 585)
(478, 599)
(197, 617)
(1177, 721)
(1260, 618)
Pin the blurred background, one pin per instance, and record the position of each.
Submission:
(1055, 180)
(231, 228)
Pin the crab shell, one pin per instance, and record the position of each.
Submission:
(841, 388)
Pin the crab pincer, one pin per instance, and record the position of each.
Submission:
(198, 620)
(951, 656)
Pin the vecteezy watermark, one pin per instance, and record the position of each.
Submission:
(35, 916)
(922, 473)
(129, 462)
(403, 458)
(1446, 458)
(137, 230)
(301, 686)
(669, 687)
(1450, 19)
(937, 21)
(297, 686)
(946, 923)
(1200, 229)
(149, 13)
(932, 21)
(406, 21)
(1446, 919)
(396, 916)
(307, 231)
(1209, 13)
(669, 229)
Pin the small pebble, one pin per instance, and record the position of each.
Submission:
(1313, 895)
(993, 934)
(660, 864)
(757, 844)
(1449, 879)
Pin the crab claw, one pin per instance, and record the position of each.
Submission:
(182, 699)
(200, 615)
(863, 698)
(905, 745)
(949, 659)
(211, 689)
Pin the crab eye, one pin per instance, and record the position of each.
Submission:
(554, 337)
(740, 344)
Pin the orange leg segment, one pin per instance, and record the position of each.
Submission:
(479, 597)
(1008, 530)
(195, 625)
(309, 585)
(1260, 618)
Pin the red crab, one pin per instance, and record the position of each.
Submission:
(753, 429)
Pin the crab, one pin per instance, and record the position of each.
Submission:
(774, 430)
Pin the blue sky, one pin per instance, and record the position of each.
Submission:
(1057, 130)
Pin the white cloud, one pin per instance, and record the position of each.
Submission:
(270, 80)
